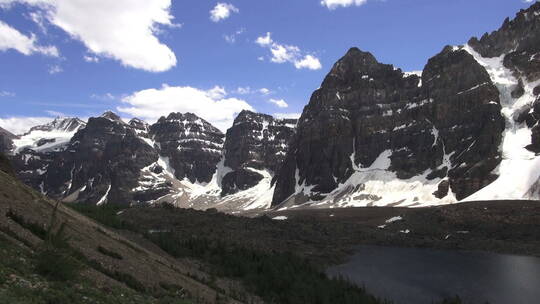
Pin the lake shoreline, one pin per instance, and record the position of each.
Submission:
(423, 276)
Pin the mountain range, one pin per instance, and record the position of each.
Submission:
(465, 129)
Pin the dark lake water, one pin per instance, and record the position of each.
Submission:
(421, 276)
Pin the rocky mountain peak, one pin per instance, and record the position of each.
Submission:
(255, 148)
(64, 124)
(358, 69)
(139, 124)
(521, 34)
(249, 116)
(110, 115)
(192, 145)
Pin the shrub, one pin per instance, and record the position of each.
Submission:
(105, 214)
(110, 253)
(55, 258)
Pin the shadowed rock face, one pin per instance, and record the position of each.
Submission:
(365, 108)
(101, 164)
(110, 161)
(192, 145)
(255, 141)
(467, 114)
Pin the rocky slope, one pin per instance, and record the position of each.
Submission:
(372, 135)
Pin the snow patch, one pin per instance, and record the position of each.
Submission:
(520, 168)
(394, 219)
(105, 197)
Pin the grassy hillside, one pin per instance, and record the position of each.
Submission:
(52, 254)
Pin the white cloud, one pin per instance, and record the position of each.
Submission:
(243, 90)
(91, 58)
(288, 115)
(222, 11)
(124, 30)
(249, 90)
(265, 40)
(55, 69)
(308, 62)
(11, 38)
(55, 113)
(212, 105)
(21, 125)
(282, 53)
(217, 92)
(232, 37)
(280, 103)
(103, 97)
(333, 4)
(6, 94)
(39, 19)
(265, 91)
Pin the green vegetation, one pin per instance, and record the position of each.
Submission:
(275, 277)
(52, 274)
(105, 214)
(55, 258)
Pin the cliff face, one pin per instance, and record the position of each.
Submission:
(256, 142)
(191, 145)
(372, 135)
(102, 163)
(445, 127)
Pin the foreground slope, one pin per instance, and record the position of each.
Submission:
(112, 261)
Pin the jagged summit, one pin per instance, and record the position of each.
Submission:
(110, 115)
(359, 67)
(139, 124)
(64, 124)
(517, 35)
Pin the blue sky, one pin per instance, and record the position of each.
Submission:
(146, 58)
